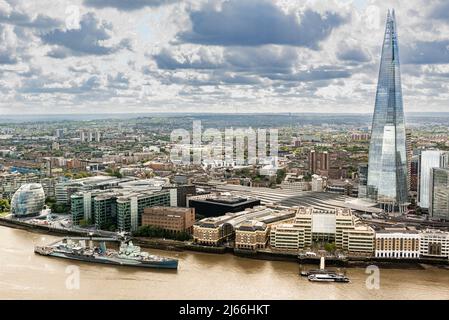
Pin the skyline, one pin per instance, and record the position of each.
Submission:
(148, 56)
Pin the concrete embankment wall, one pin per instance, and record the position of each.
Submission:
(40, 228)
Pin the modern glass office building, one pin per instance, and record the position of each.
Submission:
(429, 159)
(439, 194)
(28, 200)
(387, 167)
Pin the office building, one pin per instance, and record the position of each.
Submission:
(317, 183)
(120, 207)
(173, 219)
(387, 165)
(312, 225)
(130, 206)
(249, 228)
(363, 180)
(427, 160)
(434, 243)
(214, 205)
(397, 243)
(439, 194)
(28, 200)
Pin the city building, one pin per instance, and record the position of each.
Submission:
(287, 236)
(120, 207)
(254, 223)
(28, 200)
(427, 160)
(319, 162)
(90, 136)
(397, 243)
(251, 235)
(130, 206)
(11, 182)
(439, 194)
(317, 183)
(363, 180)
(387, 164)
(214, 204)
(409, 148)
(434, 243)
(59, 133)
(414, 175)
(173, 219)
(312, 225)
(183, 192)
(64, 189)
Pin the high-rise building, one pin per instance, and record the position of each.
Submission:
(427, 160)
(387, 168)
(414, 172)
(363, 179)
(409, 147)
(439, 194)
(59, 133)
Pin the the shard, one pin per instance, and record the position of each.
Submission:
(387, 166)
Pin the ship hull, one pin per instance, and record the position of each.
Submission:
(170, 264)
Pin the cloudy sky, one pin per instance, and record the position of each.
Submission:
(101, 56)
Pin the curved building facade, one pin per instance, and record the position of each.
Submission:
(28, 200)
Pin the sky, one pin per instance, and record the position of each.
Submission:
(126, 56)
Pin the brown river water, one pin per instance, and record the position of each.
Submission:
(24, 275)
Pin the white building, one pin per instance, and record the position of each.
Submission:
(429, 159)
(434, 243)
(287, 236)
(317, 183)
(400, 244)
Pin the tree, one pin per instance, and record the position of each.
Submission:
(330, 247)
(280, 175)
(4, 205)
(59, 208)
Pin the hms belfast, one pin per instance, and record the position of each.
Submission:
(127, 255)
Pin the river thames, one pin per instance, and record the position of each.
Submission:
(24, 275)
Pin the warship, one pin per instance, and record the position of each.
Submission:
(127, 255)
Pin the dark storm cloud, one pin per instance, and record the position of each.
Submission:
(258, 22)
(427, 52)
(126, 5)
(87, 40)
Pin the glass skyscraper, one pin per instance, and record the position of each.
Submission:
(439, 193)
(387, 166)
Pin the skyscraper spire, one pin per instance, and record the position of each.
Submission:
(387, 167)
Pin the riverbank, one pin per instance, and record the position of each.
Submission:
(175, 245)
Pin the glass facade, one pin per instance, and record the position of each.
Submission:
(439, 194)
(428, 159)
(28, 200)
(387, 168)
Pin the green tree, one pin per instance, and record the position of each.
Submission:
(4, 205)
(330, 247)
(280, 175)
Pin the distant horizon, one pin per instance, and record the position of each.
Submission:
(207, 113)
